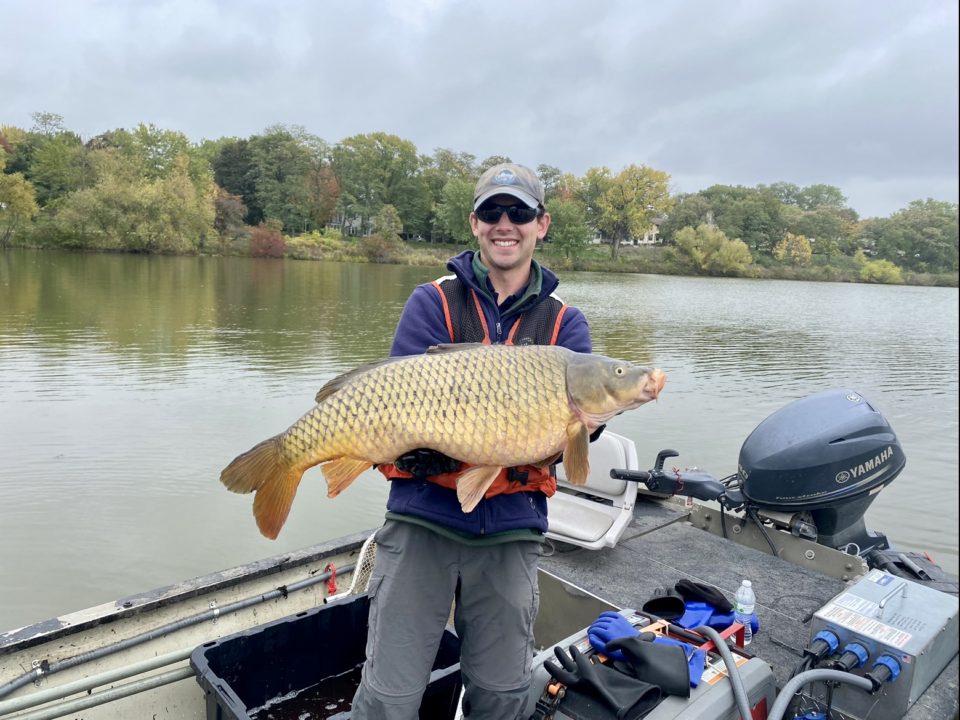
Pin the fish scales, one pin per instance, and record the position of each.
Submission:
(488, 406)
(486, 410)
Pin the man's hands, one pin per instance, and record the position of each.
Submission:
(424, 462)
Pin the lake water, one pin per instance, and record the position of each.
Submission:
(127, 383)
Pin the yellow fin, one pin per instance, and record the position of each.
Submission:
(341, 472)
(263, 470)
(474, 483)
(342, 380)
(576, 456)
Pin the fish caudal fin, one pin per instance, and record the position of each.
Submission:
(474, 483)
(264, 470)
(341, 472)
(576, 456)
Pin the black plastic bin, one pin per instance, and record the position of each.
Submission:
(285, 668)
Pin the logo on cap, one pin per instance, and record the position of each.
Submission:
(505, 177)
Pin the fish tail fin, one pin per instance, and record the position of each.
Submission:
(263, 469)
(474, 483)
(341, 472)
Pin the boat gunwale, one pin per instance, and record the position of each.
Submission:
(28, 636)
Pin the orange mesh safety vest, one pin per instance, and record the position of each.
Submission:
(466, 323)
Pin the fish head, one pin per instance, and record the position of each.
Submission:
(599, 387)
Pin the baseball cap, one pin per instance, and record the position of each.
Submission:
(509, 179)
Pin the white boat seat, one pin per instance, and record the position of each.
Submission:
(595, 515)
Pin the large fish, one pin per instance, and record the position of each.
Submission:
(492, 406)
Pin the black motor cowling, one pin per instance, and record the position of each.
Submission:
(827, 455)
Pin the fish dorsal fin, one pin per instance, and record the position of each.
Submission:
(454, 347)
(338, 382)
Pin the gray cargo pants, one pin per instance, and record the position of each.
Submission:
(416, 575)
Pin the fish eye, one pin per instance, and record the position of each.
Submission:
(619, 370)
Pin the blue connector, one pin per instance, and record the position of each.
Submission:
(824, 643)
(885, 669)
(854, 655)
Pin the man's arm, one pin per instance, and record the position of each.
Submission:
(574, 331)
(421, 324)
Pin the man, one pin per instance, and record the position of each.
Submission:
(429, 551)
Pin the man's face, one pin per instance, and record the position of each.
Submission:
(505, 245)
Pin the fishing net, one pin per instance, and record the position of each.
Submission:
(361, 571)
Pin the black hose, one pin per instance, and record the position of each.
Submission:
(752, 514)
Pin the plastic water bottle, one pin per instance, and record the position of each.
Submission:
(745, 602)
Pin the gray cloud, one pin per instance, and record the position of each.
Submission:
(861, 95)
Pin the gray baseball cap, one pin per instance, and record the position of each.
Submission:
(509, 179)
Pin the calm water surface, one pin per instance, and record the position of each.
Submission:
(127, 383)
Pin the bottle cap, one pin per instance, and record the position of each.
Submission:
(747, 583)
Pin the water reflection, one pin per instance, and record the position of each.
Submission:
(127, 383)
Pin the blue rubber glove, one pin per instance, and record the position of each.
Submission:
(721, 621)
(610, 626)
(697, 614)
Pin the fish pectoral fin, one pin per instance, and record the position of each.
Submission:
(576, 456)
(474, 483)
(341, 472)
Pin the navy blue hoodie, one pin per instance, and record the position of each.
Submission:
(421, 325)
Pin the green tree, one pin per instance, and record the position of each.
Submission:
(627, 203)
(922, 237)
(569, 231)
(489, 162)
(689, 210)
(710, 251)
(813, 197)
(380, 169)
(60, 165)
(552, 179)
(750, 214)
(453, 211)
(18, 203)
(280, 162)
(880, 271)
(233, 170)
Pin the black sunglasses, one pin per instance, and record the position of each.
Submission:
(517, 214)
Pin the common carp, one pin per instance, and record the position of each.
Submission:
(491, 406)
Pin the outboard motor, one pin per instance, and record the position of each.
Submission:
(823, 458)
(811, 469)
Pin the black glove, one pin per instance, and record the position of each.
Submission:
(666, 603)
(704, 593)
(662, 665)
(597, 433)
(425, 462)
(628, 697)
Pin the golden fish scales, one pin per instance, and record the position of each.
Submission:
(491, 406)
(485, 410)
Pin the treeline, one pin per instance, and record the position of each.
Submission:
(153, 191)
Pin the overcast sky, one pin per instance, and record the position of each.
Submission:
(861, 94)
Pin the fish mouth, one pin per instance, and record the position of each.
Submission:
(654, 384)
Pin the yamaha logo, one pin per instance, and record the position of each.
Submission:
(505, 177)
(842, 477)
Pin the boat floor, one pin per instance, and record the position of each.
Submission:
(660, 547)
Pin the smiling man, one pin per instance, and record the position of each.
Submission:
(429, 551)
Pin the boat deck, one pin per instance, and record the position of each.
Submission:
(660, 547)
